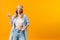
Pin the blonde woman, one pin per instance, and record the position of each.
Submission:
(19, 24)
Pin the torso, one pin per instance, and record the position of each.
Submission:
(19, 23)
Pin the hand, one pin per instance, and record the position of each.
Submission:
(9, 15)
(22, 29)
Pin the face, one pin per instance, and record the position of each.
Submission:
(19, 9)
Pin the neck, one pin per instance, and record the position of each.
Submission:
(20, 15)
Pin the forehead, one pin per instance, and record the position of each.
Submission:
(19, 7)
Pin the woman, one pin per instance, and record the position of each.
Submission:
(20, 23)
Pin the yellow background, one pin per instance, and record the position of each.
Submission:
(44, 17)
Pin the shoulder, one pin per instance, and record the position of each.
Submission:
(25, 15)
(13, 17)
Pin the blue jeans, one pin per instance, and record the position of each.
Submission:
(17, 35)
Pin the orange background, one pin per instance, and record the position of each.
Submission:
(44, 17)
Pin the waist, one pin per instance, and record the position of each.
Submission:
(17, 30)
(18, 27)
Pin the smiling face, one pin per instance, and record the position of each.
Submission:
(19, 9)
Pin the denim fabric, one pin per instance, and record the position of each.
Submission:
(18, 35)
(11, 34)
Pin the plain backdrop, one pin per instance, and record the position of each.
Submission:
(44, 17)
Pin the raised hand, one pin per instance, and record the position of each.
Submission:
(9, 15)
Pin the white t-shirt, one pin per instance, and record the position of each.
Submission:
(19, 21)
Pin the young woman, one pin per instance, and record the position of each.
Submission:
(19, 23)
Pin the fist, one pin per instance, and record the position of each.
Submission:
(9, 15)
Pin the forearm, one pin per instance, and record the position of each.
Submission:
(25, 27)
(10, 17)
(10, 21)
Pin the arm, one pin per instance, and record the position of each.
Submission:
(27, 23)
(10, 17)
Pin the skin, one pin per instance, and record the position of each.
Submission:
(20, 14)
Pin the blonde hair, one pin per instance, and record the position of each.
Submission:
(20, 7)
